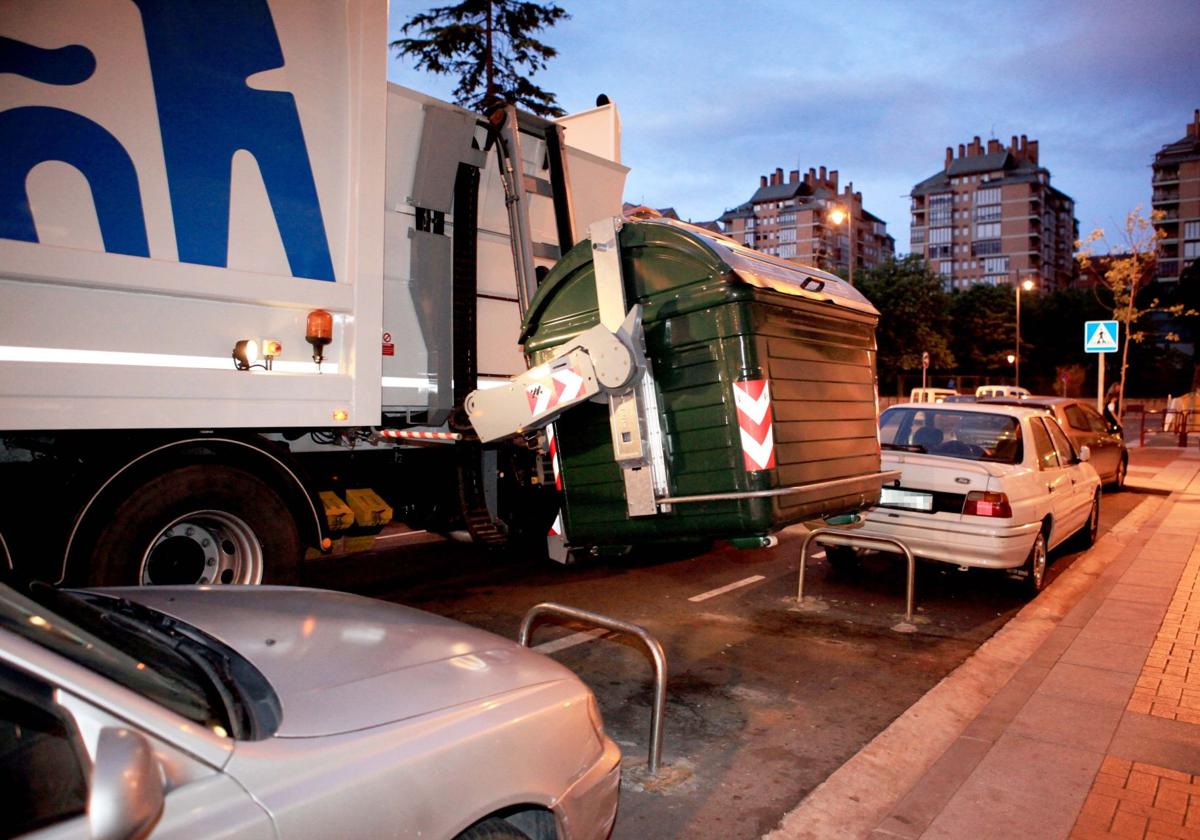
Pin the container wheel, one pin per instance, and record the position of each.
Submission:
(199, 524)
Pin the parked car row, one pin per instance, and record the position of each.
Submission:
(993, 484)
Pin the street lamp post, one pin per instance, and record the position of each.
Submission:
(1027, 286)
(838, 215)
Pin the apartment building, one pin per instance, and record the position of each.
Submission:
(794, 219)
(1176, 182)
(991, 216)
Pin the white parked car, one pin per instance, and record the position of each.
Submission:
(988, 391)
(269, 712)
(993, 486)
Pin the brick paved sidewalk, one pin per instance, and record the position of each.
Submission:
(1131, 799)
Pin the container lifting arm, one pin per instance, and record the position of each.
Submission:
(597, 361)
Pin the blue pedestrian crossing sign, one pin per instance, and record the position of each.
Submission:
(1100, 336)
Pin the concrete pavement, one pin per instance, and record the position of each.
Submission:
(1080, 719)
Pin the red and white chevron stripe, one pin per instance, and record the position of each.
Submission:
(406, 434)
(546, 393)
(555, 464)
(556, 528)
(753, 401)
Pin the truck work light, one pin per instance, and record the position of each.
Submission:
(245, 354)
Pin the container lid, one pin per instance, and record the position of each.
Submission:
(712, 255)
(767, 272)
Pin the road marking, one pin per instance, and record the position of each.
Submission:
(399, 535)
(712, 593)
(570, 641)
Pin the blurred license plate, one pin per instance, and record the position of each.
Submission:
(910, 499)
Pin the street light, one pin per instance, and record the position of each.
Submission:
(836, 216)
(1027, 286)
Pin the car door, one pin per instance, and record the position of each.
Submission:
(1079, 489)
(1112, 442)
(49, 745)
(1055, 477)
(1094, 437)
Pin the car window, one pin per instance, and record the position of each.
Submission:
(41, 757)
(1062, 444)
(1076, 419)
(1095, 421)
(972, 435)
(1047, 457)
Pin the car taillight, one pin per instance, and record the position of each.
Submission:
(980, 503)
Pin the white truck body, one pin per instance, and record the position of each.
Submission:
(96, 338)
(179, 176)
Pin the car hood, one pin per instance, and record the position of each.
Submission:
(341, 662)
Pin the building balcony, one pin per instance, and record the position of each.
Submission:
(1166, 177)
(1168, 269)
(1165, 197)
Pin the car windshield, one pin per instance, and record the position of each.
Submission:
(142, 650)
(954, 433)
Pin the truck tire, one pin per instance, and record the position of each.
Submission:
(204, 523)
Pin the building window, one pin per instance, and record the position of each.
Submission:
(937, 252)
(987, 213)
(988, 195)
(938, 236)
(985, 248)
(940, 210)
(1191, 230)
(991, 230)
(1191, 250)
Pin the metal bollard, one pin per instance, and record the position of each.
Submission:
(657, 655)
(836, 536)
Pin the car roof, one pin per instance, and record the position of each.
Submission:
(1012, 409)
(1044, 402)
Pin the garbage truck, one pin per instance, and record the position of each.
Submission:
(256, 299)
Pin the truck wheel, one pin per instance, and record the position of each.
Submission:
(200, 524)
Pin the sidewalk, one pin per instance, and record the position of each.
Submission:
(1079, 720)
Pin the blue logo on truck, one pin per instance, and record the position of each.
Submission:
(201, 53)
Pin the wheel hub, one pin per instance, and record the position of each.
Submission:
(203, 547)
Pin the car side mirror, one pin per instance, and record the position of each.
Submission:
(1085, 453)
(126, 797)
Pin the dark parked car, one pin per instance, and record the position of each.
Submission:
(1084, 425)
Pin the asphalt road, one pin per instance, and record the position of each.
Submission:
(764, 700)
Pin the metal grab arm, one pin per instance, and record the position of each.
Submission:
(597, 361)
(657, 655)
(837, 536)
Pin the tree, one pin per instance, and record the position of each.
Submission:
(486, 43)
(1123, 280)
(913, 316)
(985, 329)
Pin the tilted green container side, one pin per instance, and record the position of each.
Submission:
(715, 314)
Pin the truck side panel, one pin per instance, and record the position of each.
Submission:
(155, 211)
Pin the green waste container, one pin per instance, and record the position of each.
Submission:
(765, 376)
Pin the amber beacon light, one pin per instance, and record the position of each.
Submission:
(319, 332)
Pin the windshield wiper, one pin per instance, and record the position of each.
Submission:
(213, 664)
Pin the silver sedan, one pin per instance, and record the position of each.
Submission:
(265, 712)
